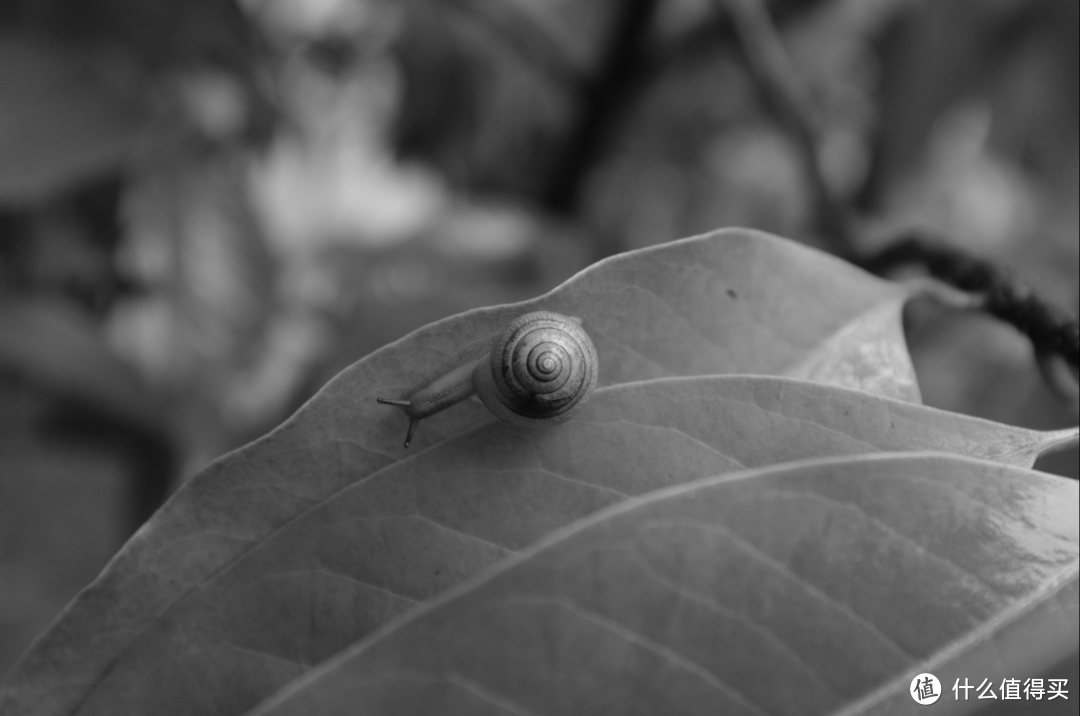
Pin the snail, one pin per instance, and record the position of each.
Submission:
(539, 371)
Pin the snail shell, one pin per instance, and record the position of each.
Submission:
(539, 371)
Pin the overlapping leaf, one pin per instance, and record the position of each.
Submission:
(417, 527)
(800, 589)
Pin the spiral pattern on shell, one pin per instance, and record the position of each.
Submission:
(543, 366)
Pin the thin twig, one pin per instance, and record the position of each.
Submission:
(530, 31)
(776, 77)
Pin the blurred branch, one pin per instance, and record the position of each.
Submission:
(602, 100)
(717, 30)
(772, 70)
(1051, 329)
(534, 35)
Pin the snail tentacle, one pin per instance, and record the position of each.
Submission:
(413, 421)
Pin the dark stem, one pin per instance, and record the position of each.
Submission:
(1051, 329)
(602, 102)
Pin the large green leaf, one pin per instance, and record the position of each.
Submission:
(798, 589)
(411, 530)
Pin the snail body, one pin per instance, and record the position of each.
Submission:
(539, 371)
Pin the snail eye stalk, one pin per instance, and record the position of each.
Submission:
(413, 422)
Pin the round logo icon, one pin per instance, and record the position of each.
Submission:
(925, 689)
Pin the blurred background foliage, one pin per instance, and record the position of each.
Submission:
(209, 207)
